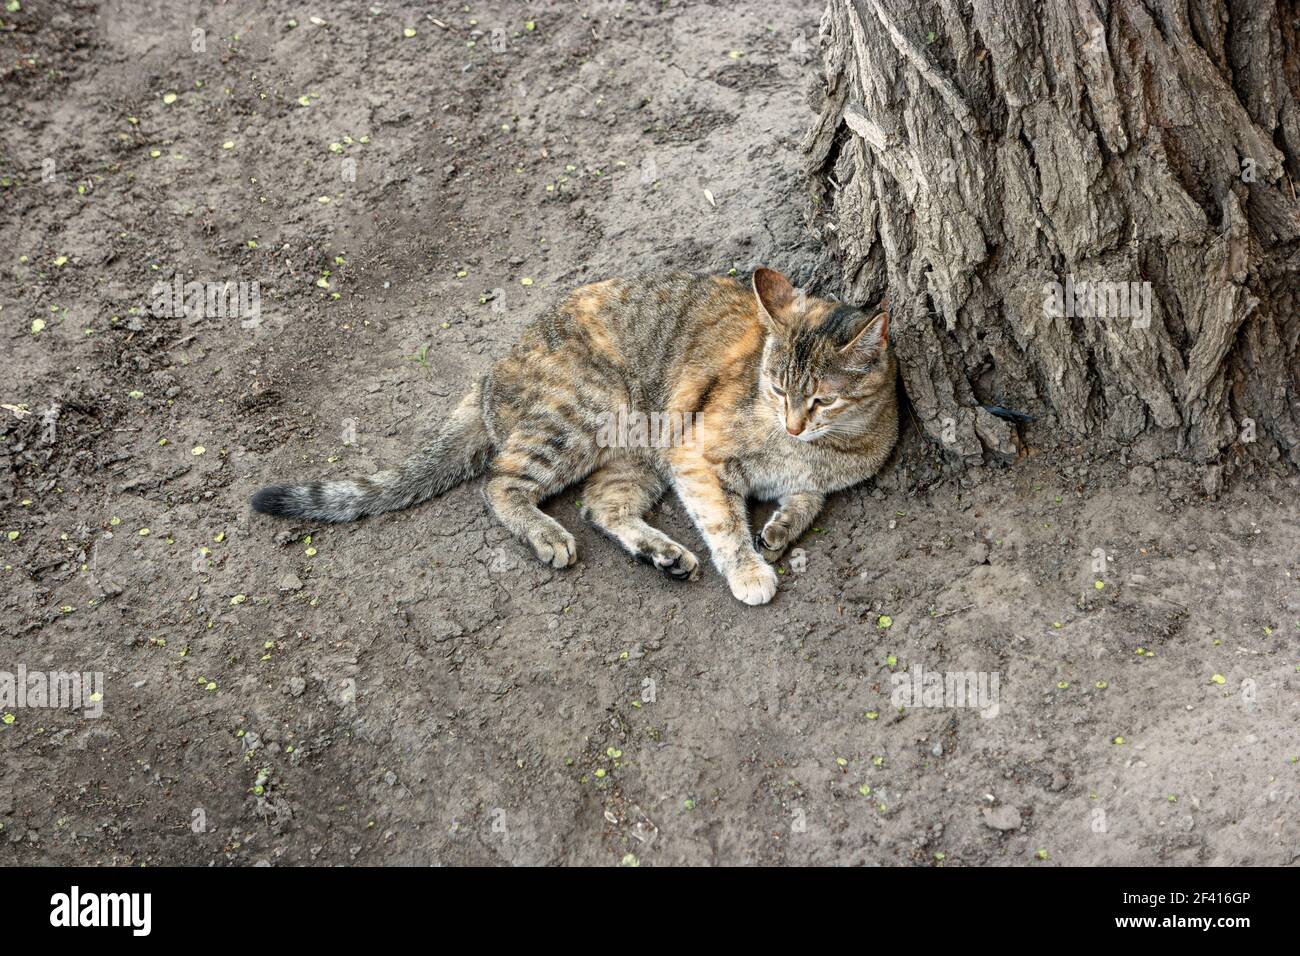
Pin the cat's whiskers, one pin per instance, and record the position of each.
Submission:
(849, 426)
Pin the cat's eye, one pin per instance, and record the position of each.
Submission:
(779, 391)
(824, 400)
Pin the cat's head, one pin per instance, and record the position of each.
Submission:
(826, 366)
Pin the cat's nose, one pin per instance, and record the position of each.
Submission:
(793, 431)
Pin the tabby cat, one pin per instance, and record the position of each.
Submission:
(790, 397)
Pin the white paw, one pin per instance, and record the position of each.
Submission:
(753, 585)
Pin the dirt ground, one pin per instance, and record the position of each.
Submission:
(416, 689)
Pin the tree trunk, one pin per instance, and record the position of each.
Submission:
(979, 160)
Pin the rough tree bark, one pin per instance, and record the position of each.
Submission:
(969, 154)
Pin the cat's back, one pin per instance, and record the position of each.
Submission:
(643, 333)
(651, 316)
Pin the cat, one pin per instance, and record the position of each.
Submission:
(788, 397)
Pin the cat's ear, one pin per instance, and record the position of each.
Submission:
(776, 298)
(870, 342)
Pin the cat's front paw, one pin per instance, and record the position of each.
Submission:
(772, 541)
(753, 585)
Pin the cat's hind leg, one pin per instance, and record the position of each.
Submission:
(531, 467)
(615, 498)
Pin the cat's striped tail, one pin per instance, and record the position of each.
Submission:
(459, 452)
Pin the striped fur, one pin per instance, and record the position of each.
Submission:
(458, 453)
(791, 398)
